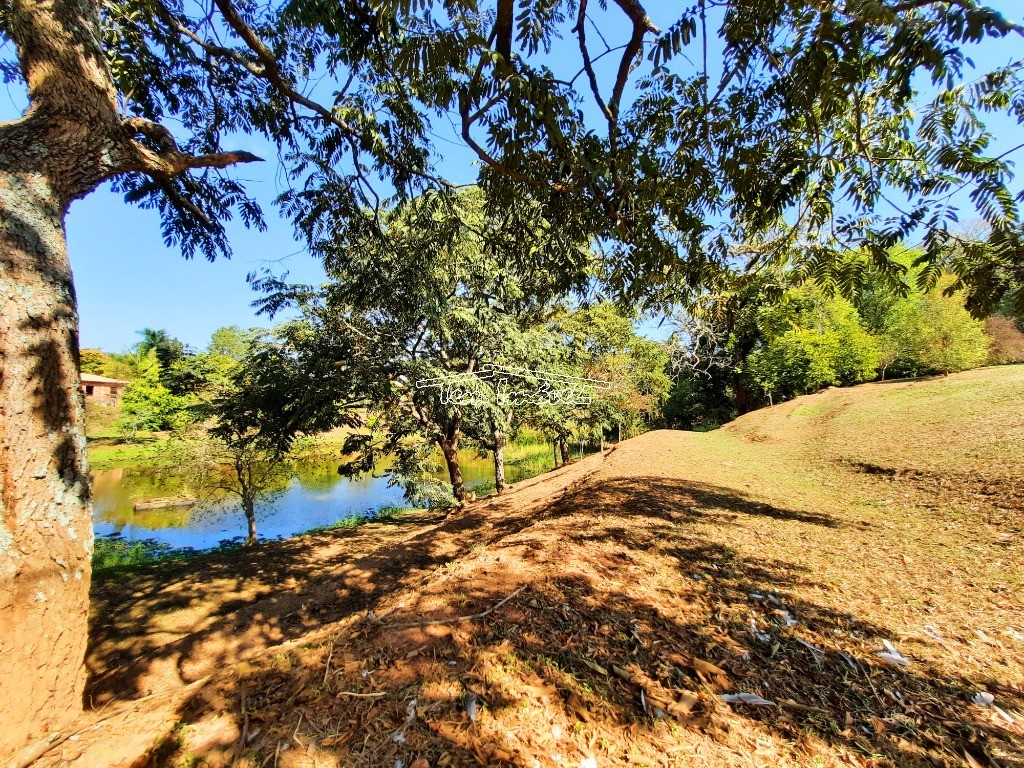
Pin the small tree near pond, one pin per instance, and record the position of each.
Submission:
(276, 394)
(246, 465)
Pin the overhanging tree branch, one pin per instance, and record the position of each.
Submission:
(162, 158)
(642, 24)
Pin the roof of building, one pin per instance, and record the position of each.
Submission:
(89, 378)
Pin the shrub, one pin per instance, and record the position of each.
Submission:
(826, 345)
(932, 333)
(1007, 341)
(149, 405)
(354, 521)
(111, 554)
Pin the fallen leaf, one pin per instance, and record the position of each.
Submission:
(621, 673)
(576, 706)
(892, 656)
(983, 699)
(595, 666)
(791, 704)
(469, 704)
(816, 652)
(707, 668)
(1003, 714)
(686, 702)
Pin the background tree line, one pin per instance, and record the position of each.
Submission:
(765, 336)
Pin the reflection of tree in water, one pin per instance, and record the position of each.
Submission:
(312, 485)
(316, 474)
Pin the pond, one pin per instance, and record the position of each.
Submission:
(315, 496)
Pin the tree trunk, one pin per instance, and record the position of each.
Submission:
(564, 449)
(450, 450)
(499, 461)
(250, 517)
(45, 512)
(554, 446)
(742, 398)
(70, 139)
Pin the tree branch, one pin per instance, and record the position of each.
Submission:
(166, 160)
(270, 71)
(642, 24)
(588, 65)
(503, 29)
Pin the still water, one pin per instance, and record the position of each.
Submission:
(315, 496)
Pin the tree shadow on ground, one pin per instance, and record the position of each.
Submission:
(630, 624)
(174, 622)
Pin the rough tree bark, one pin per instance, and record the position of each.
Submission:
(499, 461)
(46, 525)
(563, 449)
(449, 443)
(70, 139)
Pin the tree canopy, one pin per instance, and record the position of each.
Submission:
(795, 128)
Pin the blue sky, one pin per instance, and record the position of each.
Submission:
(126, 279)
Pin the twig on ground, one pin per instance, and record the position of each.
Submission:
(327, 666)
(460, 619)
(240, 749)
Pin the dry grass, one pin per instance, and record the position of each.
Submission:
(1007, 340)
(771, 557)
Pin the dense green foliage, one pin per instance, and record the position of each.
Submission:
(803, 132)
(767, 338)
(114, 365)
(823, 345)
(232, 342)
(171, 387)
(149, 405)
(931, 333)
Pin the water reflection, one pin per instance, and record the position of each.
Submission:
(316, 495)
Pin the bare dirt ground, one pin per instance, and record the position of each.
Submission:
(614, 602)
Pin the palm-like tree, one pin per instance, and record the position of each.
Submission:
(168, 349)
(152, 339)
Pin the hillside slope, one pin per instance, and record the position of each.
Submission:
(612, 602)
